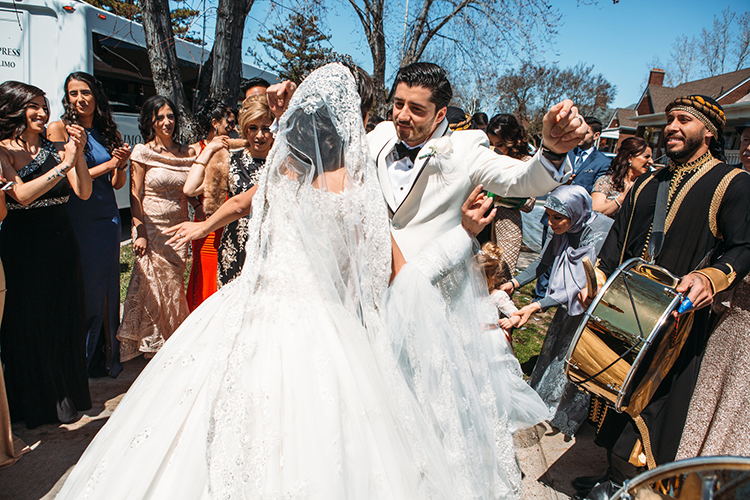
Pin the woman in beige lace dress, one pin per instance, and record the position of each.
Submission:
(156, 303)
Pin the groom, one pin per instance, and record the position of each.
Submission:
(426, 171)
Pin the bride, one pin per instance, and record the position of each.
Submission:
(307, 377)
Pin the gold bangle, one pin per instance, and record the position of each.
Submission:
(199, 163)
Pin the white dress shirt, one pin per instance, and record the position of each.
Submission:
(400, 173)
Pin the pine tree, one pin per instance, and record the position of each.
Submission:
(295, 47)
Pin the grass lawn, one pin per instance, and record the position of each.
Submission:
(527, 340)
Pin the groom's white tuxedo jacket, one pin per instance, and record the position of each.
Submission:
(447, 169)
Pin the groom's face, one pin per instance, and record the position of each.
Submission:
(414, 114)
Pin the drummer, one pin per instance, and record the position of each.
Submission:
(706, 220)
(577, 232)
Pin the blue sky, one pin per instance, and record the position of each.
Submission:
(620, 40)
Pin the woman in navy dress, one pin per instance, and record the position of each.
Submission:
(43, 332)
(96, 221)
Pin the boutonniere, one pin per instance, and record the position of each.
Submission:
(441, 148)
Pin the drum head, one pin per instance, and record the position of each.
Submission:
(703, 478)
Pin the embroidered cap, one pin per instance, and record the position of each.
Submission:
(706, 109)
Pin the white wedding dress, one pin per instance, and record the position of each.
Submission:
(305, 378)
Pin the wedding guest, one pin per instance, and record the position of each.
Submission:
(633, 160)
(241, 175)
(509, 138)
(9, 452)
(588, 162)
(156, 304)
(578, 232)
(479, 121)
(43, 334)
(253, 86)
(96, 221)
(216, 121)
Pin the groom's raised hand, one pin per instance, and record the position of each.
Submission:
(563, 128)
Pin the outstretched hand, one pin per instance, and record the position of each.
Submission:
(186, 232)
(508, 323)
(525, 313)
(473, 210)
(508, 288)
(563, 127)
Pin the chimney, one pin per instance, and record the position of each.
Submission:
(656, 77)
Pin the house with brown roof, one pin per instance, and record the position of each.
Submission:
(731, 90)
(620, 127)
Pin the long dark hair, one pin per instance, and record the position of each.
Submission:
(104, 122)
(618, 169)
(147, 119)
(513, 135)
(212, 109)
(14, 99)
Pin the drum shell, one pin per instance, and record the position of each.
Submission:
(694, 478)
(623, 357)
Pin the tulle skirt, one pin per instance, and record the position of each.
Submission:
(301, 408)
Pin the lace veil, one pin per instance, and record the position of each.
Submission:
(321, 148)
(318, 229)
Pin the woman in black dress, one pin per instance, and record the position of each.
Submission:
(43, 334)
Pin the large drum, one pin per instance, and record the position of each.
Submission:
(629, 339)
(703, 478)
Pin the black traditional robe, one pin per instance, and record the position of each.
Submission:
(708, 208)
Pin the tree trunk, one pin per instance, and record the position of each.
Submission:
(203, 87)
(162, 55)
(378, 69)
(227, 50)
(371, 17)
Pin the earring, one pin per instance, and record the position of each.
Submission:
(630, 163)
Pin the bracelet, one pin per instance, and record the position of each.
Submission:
(199, 163)
(59, 172)
(124, 167)
(551, 155)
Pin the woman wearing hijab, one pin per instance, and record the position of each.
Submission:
(577, 232)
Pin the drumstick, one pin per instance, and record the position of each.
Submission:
(591, 285)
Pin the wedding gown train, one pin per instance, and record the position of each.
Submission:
(306, 378)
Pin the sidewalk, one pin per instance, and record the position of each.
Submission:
(547, 460)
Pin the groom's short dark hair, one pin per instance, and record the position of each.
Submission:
(428, 75)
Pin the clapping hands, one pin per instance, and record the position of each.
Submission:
(76, 140)
(121, 154)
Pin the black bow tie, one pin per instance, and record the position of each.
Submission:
(402, 151)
